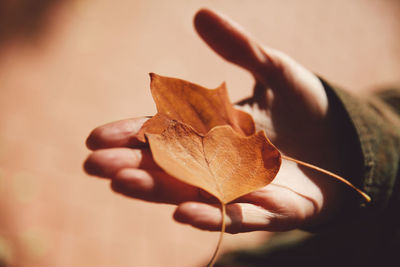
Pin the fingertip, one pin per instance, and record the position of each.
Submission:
(100, 137)
(138, 184)
(116, 134)
(118, 187)
(184, 212)
(92, 140)
(202, 15)
(206, 17)
(199, 215)
(101, 163)
(203, 10)
(207, 24)
(229, 40)
(90, 166)
(180, 215)
(135, 179)
(108, 162)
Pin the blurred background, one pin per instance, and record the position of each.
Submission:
(67, 66)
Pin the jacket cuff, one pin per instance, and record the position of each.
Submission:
(379, 143)
(377, 136)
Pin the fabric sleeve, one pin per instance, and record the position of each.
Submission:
(376, 123)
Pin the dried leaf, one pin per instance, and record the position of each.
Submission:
(222, 162)
(203, 109)
(199, 107)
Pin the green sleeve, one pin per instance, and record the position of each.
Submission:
(376, 122)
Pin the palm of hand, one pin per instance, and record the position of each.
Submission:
(297, 196)
(301, 127)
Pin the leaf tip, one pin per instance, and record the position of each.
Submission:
(154, 77)
(222, 87)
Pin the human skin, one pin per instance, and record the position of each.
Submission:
(289, 102)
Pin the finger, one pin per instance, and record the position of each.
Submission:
(107, 162)
(241, 217)
(230, 41)
(290, 81)
(154, 186)
(116, 134)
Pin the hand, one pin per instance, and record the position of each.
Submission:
(289, 103)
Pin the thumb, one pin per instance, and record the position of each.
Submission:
(288, 79)
(230, 41)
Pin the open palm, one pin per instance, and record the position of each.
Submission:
(289, 103)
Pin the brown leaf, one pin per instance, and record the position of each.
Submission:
(199, 107)
(222, 162)
(203, 109)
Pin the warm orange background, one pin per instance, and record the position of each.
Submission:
(82, 63)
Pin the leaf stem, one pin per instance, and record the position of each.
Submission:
(343, 180)
(221, 235)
